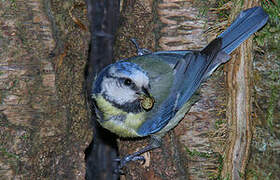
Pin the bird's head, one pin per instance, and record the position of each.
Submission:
(125, 85)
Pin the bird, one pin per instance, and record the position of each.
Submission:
(149, 94)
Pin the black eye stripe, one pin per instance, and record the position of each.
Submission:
(127, 82)
(121, 81)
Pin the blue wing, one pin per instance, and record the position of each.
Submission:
(189, 68)
(188, 73)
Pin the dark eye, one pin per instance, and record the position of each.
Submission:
(127, 82)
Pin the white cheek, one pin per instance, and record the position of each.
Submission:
(121, 95)
(140, 79)
(118, 94)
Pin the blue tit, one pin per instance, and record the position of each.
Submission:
(149, 94)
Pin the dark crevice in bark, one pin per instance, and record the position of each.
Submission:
(100, 154)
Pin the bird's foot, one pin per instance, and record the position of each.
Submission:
(123, 161)
(140, 51)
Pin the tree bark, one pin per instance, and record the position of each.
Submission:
(44, 125)
(239, 107)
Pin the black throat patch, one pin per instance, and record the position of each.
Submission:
(133, 107)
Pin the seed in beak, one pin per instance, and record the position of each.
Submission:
(147, 102)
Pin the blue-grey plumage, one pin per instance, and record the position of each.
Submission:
(150, 94)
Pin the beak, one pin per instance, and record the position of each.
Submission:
(144, 93)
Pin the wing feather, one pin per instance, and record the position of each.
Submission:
(189, 70)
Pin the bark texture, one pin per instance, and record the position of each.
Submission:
(264, 162)
(239, 107)
(44, 127)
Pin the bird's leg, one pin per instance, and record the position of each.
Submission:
(155, 142)
(140, 51)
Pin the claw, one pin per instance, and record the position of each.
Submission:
(139, 158)
(155, 143)
(119, 171)
(143, 161)
(140, 51)
(127, 159)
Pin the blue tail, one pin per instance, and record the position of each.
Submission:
(247, 22)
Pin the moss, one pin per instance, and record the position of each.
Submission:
(219, 122)
(255, 176)
(220, 167)
(12, 3)
(263, 163)
(10, 158)
(219, 176)
(271, 32)
(197, 153)
(8, 154)
(204, 6)
(272, 105)
(268, 41)
(223, 12)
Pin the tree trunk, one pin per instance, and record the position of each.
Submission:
(44, 123)
(239, 107)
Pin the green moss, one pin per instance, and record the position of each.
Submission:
(271, 32)
(222, 13)
(272, 105)
(268, 39)
(8, 155)
(220, 163)
(12, 2)
(197, 153)
(11, 158)
(204, 6)
(253, 174)
(219, 122)
(256, 176)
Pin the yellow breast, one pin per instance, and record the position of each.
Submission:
(118, 121)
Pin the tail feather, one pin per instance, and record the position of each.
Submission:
(248, 22)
